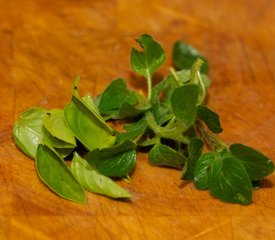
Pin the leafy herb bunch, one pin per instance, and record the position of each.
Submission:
(173, 122)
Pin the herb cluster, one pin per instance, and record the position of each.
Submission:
(172, 123)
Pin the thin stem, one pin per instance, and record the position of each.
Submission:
(175, 75)
(174, 133)
(212, 140)
(149, 85)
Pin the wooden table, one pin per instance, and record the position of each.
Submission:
(44, 45)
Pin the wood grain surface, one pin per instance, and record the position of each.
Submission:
(45, 44)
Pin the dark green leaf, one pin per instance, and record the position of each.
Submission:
(134, 131)
(184, 100)
(210, 118)
(53, 171)
(148, 61)
(202, 168)
(88, 127)
(163, 155)
(256, 164)
(229, 181)
(129, 111)
(28, 131)
(184, 55)
(95, 182)
(114, 96)
(194, 149)
(116, 161)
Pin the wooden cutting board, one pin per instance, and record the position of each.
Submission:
(45, 44)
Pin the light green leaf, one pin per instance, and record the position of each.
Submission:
(87, 126)
(53, 171)
(28, 131)
(56, 126)
(95, 182)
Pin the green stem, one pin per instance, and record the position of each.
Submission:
(149, 85)
(212, 140)
(174, 133)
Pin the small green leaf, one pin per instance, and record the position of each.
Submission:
(53, 171)
(116, 161)
(229, 181)
(184, 100)
(148, 61)
(256, 164)
(114, 96)
(210, 118)
(184, 55)
(95, 182)
(28, 131)
(202, 168)
(194, 149)
(87, 126)
(91, 103)
(56, 126)
(163, 155)
(134, 131)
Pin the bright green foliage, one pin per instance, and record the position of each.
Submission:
(87, 126)
(28, 131)
(173, 124)
(95, 182)
(53, 171)
(56, 126)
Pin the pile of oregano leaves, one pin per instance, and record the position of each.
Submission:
(173, 122)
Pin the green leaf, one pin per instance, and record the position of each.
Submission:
(95, 182)
(28, 131)
(229, 181)
(256, 164)
(202, 168)
(129, 111)
(134, 131)
(184, 100)
(114, 96)
(53, 171)
(87, 126)
(163, 155)
(91, 103)
(56, 126)
(184, 55)
(116, 161)
(210, 118)
(148, 61)
(194, 149)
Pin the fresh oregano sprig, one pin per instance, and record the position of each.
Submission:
(172, 122)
